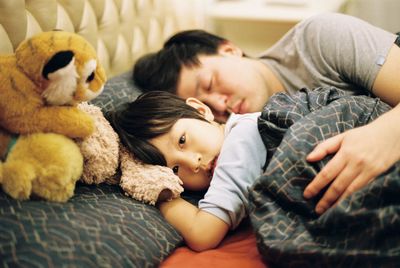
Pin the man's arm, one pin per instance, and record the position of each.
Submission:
(201, 230)
(362, 153)
(387, 82)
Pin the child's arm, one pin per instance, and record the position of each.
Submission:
(201, 230)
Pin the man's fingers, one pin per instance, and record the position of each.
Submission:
(337, 189)
(361, 181)
(326, 147)
(325, 176)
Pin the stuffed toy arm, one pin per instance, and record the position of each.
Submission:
(65, 120)
(147, 183)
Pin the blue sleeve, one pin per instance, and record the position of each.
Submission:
(240, 162)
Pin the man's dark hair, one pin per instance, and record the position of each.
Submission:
(160, 70)
(152, 114)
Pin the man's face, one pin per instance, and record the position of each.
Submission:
(226, 83)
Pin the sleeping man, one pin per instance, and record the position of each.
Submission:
(325, 50)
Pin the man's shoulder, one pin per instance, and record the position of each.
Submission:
(327, 21)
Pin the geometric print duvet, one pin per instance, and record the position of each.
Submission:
(363, 230)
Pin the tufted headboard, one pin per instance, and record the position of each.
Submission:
(120, 30)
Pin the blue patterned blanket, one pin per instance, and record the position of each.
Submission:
(362, 230)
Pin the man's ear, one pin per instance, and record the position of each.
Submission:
(228, 48)
(203, 109)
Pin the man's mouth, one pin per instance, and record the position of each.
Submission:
(239, 107)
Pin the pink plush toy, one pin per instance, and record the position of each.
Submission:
(103, 154)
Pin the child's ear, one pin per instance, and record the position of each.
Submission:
(201, 108)
(228, 48)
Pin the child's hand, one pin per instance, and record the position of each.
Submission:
(165, 195)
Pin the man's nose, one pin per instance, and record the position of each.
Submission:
(217, 101)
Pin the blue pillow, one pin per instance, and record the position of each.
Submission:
(118, 90)
(98, 227)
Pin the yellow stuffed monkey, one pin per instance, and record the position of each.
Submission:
(45, 165)
(40, 86)
(43, 81)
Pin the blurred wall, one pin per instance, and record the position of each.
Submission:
(255, 25)
(382, 13)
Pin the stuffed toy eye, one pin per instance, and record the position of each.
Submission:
(58, 61)
(90, 77)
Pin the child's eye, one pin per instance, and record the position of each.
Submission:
(175, 169)
(182, 140)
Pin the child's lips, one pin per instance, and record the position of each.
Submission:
(212, 165)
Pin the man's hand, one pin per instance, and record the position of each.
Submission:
(361, 155)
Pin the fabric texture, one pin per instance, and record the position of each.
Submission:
(121, 31)
(118, 90)
(362, 230)
(98, 227)
(238, 249)
(320, 60)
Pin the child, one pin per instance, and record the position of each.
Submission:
(162, 129)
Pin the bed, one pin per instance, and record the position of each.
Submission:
(100, 226)
(238, 249)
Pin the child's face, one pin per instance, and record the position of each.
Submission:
(191, 148)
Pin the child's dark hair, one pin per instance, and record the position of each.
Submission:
(149, 116)
(160, 71)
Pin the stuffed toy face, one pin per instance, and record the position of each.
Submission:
(63, 66)
(43, 80)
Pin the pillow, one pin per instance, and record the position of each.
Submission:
(118, 90)
(98, 227)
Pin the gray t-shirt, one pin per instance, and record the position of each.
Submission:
(329, 50)
(239, 164)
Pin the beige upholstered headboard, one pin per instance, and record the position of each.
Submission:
(120, 30)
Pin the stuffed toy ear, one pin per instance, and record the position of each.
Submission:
(58, 61)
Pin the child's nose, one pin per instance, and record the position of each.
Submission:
(195, 162)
